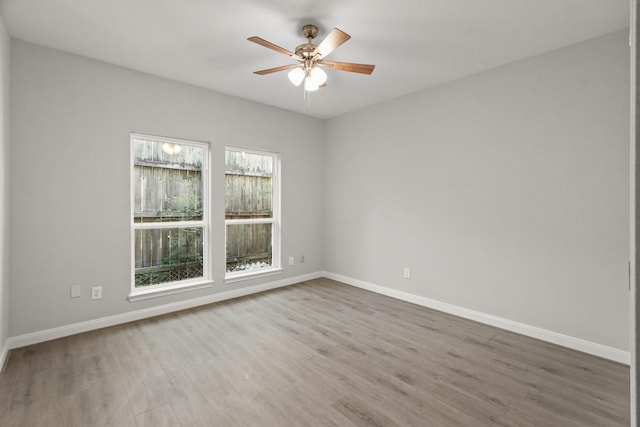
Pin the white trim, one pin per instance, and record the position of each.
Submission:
(169, 139)
(276, 217)
(595, 349)
(131, 316)
(204, 223)
(250, 221)
(600, 350)
(172, 224)
(160, 291)
(241, 277)
(4, 353)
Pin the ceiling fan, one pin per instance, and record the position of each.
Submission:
(311, 58)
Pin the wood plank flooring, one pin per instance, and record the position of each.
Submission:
(315, 354)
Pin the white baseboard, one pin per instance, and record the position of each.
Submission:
(90, 325)
(599, 350)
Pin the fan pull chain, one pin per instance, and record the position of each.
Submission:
(307, 95)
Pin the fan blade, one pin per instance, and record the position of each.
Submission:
(349, 66)
(263, 42)
(330, 43)
(276, 69)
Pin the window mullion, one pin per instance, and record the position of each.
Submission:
(250, 221)
(172, 224)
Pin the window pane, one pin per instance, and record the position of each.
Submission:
(167, 181)
(165, 255)
(249, 247)
(249, 192)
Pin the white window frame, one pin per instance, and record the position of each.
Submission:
(276, 266)
(169, 288)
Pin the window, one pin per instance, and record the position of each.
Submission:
(169, 214)
(251, 212)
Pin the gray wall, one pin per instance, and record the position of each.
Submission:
(506, 192)
(71, 119)
(4, 186)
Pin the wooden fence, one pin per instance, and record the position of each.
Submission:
(167, 246)
(248, 243)
(248, 197)
(170, 189)
(167, 194)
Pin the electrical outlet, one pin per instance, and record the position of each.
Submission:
(291, 260)
(96, 292)
(301, 259)
(407, 273)
(75, 291)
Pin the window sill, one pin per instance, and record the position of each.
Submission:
(160, 291)
(240, 277)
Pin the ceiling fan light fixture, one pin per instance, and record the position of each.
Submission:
(296, 76)
(311, 57)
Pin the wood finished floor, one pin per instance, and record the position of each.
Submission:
(315, 354)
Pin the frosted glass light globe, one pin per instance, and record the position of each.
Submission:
(296, 76)
(309, 85)
(318, 76)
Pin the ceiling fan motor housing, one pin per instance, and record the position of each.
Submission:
(306, 50)
(310, 31)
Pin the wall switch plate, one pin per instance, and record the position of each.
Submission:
(75, 291)
(407, 273)
(96, 292)
(301, 259)
(291, 260)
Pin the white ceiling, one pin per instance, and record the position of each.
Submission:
(415, 44)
